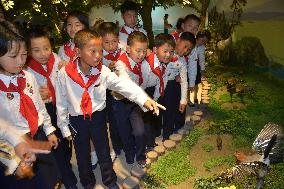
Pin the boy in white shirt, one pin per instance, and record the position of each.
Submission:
(81, 96)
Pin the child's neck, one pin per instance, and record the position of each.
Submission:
(85, 68)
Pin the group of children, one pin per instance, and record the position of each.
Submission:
(101, 75)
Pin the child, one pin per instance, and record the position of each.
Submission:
(184, 44)
(76, 21)
(129, 13)
(22, 107)
(81, 94)
(111, 52)
(164, 66)
(129, 66)
(44, 65)
(178, 30)
(191, 24)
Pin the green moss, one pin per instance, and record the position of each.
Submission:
(217, 161)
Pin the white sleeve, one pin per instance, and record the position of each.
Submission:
(183, 84)
(121, 70)
(61, 52)
(146, 70)
(192, 68)
(9, 134)
(47, 126)
(62, 104)
(201, 57)
(126, 87)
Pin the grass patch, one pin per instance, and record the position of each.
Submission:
(207, 147)
(217, 161)
(175, 167)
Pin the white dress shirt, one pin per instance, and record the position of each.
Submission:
(106, 61)
(192, 67)
(150, 79)
(69, 94)
(124, 35)
(42, 81)
(62, 54)
(123, 71)
(10, 107)
(201, 57)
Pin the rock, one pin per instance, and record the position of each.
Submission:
(160, 150)
(152, 155)
(131, 183)
(138, 172)
(176, 137)
(169, 144)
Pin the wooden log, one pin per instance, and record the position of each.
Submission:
(138, 172)
(205, 98)
(152, 155)
(159, 140)
(131, 182)
(182, 132)
(176, 137)
(160, 150)
(169, 144)
(205, 101)
(198, 113)
(195, 119)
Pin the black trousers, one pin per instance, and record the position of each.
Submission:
(93, 128)
(63, 153)
(45, 168)
(171, 101)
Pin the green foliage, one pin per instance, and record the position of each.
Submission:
(151, 182)
(175, 167)
(249, 52)
(217, 161)
(207, 147)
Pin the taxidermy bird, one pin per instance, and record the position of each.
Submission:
(219, 142)
(268, 145)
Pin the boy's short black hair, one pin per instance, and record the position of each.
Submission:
(128, 6)
(108, 28)
(204, 33)
(179, 23)
(82, 37)
(36, 32)
(137, 36)
(82, 17)
(191, 17)
(8, 34)
(163, 38)
(188, 36)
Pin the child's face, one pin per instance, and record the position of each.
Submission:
(137, 51)
(40, 49)
(14, 60)
(91, 53)
(130, 18)
(73, 26)
(183, 47)
(201, 41)
(190, 26)
(110, 42)
(164, 53)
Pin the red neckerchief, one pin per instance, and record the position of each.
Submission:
(136, 69)
(150, 59)
(123, 30)
(175, 34)
(111, 56)
(69, 51)
(186, 59)
(72, 72)
(37, 67)
(27, 107)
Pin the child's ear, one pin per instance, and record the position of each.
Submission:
(155, 50)
(78, 52)
(127, 48)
